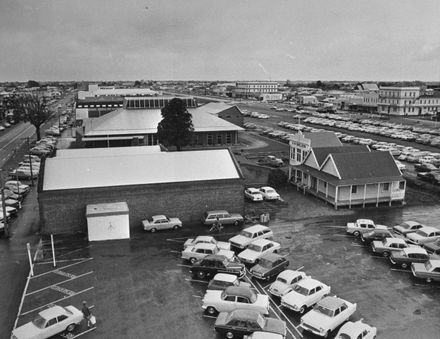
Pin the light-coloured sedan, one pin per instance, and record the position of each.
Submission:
(356, 330)
(161, 222)
(253, 194)
(285, 281)
(269, 193)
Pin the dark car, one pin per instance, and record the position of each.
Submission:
(408, 256)
(269, 265)
(433, 247)
(433, 177)
(424, 167)
(238, 323)
(379, 233)
(213, 264)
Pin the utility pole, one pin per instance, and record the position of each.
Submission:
(30, 161)
(5, 218)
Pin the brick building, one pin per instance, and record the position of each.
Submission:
(177, 184)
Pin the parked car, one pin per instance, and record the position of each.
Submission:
(304, 294)
(264, 335)
(235, 297)
(424, 235)
(272, 160)
(23, 173)
(12, 202)
(408, 256)
(360, 226)
(379, 233)
(161, 222)
(257, 249)
(433, 247)
(253, 194)
(207, 239)
(17, 185)
(285, 281)
(249, 234)
(268, 266)
(201, 250)
(222, 280)
(213, 264)
(407, 227)
(238, 323)
(356, 330)
(327, 315)
(269, 193)
(424, 167)
(11, 195)
(224, 217)
(429, 270)
(432, 177)
(388, 245)
(50, 322)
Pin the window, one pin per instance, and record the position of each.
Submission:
(229, 138)
(386, 186)
(354, 189)
(230, 298)
(61, 317)
(219, 139)
(243, 300)
(210, 139)
(51, 322)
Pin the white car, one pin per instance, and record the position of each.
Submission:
(360, 226)
(424, 235)
(269, 193)
(221, 281)
(17, 185)
(253, 194)
(161, 222)
(49, 322)
(407, 227)
(235, 297)
(304, 294)
(285, 281)
(264, 335)
(328, 314)
(356, 330)
(201, 250)
(249, 234)
(208, 239)
(257, 249)
(388, 245)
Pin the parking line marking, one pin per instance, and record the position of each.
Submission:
(358, 245)
(278, 316)
(198, 281)
(332, 226)
(339, 235)
(54, 302)
(299, 268)
(173, 251)
(65, 260)
(65, 274)
(399, 270)
(62, 282)
(197, 296)
(209, 316)
(182, 265)
(62, 290)
(57, 269)
(174, 240)
(73, 251)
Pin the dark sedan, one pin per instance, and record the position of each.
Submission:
(269, 265)
(376, 234)
(213, 264)
(433, 247)
(238, 323)
(408, 256)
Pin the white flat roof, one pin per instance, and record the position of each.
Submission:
(111, 151)
(137, 169)
(114, 208)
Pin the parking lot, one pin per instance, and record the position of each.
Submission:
(141, 288)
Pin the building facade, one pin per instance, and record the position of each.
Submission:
(247, 89)
(398, 100)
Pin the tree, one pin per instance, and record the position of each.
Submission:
(32, 108)
(32, 83)
(176, 127)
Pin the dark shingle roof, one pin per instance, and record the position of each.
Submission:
(322, 139)
(366, 165)
(321, 153)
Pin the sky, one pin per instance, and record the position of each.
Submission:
(357, 40)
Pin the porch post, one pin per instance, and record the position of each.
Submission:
(365, 194)
(317, 185)
(378, 192)
(349, 197)
(290, 173)
(404, 190)
(336, 198)
(326, 190)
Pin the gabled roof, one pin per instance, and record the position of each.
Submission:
(366, 165)
(322, 139)
(322, 153)
(213, 107)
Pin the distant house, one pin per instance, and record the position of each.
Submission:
(345, 175)
(308, 100)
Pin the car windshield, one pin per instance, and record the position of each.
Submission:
(246, 234)
(261, 321)
(323, 310)
(344, 336)
(428, 266)
(254, 247)
(282, 280)
(39, 321)
(301, 290)
(265, 263)
(422, 233)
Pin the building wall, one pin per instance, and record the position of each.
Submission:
(187, 201)
(233, 115)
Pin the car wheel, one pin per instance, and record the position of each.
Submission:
(356, 233)
(302, 310)
(201, 274)
(193, 261)
(176, 227)
(153, 230)
(235, 224)
(404, 265)
(428, 280)
(70, 328)
(386, 254)
(229, 335)
(211, 310)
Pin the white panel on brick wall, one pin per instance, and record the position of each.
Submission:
(108, 221)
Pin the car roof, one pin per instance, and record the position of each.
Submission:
(365, 221)
(239, 290)
(159, 216)
(261, 242)
(354, 327)
(267, 187)
(411, 223)
(309, 283)
(435, 262)
(256, 228)
(205, 245)
(206, 238)
(381, 227)
(265, 335)
(253, 189)
(217, 212)
(414, 249)
(51, 312)
(288, 274)
(215, 257)
(332, 303)
(428, 229)
(244, 314)
(271, 257)
(225, 277)
(395, 240)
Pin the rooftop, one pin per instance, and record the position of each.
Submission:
(111, 151)
(322, 139)
(107, 170)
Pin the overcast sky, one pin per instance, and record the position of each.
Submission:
(219, 39)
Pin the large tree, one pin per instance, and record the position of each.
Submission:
(32, 108)
(176, 127)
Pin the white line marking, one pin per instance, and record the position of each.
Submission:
(299, 268)
(399, 270)
(57, 269)
(197, 281)
(331, 226)
(173, 240)
(62, 282)
(182, 265)
(66, 260)
(197, 296)
(172, 251)
(209, 316)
